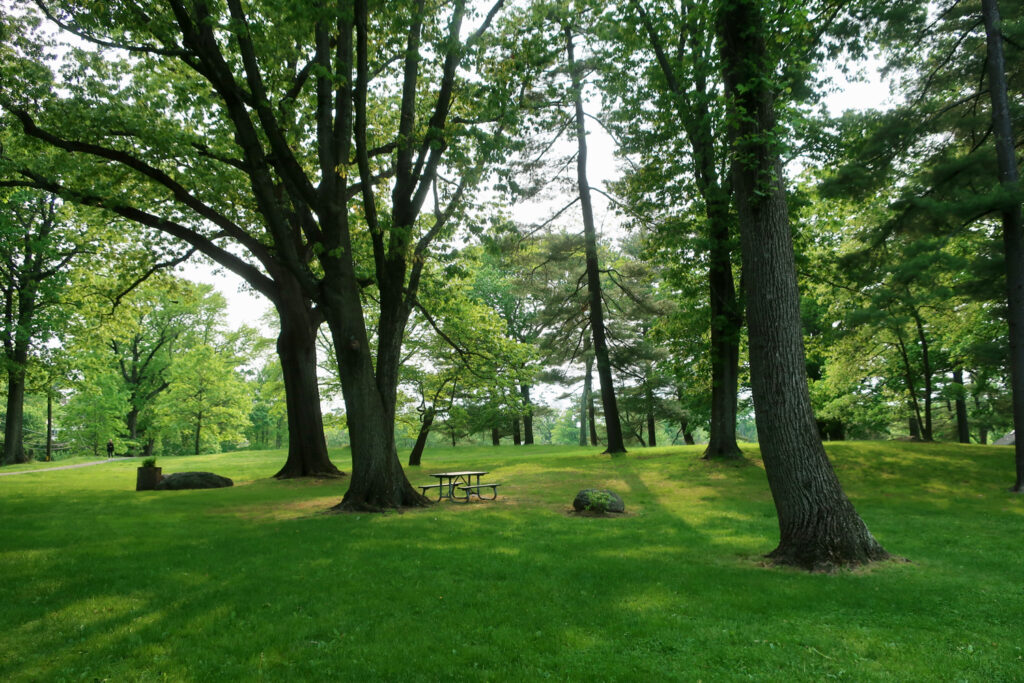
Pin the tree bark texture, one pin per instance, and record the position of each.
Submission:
(613, 425)
(819, 528)
(1013, 223)
(726, 325)
(416, 456)
(296, 348)
(14, 444)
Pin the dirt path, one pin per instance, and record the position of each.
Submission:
(61, 467)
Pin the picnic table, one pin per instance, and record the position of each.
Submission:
(459, 486)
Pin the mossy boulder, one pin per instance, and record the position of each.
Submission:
(193, 480)
(598, 500)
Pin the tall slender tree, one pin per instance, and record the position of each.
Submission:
(613, 425)
(1013, 224)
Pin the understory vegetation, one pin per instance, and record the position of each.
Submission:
(257, 582)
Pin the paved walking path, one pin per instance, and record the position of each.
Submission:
(60, 467)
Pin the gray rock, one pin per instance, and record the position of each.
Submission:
(193, 480)
(597, 500)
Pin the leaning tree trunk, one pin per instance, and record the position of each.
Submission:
(421, 440)
(819, 528)
(296, 348)
(1013, 223)
(613, 425)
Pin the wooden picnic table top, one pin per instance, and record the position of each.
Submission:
(440, 475)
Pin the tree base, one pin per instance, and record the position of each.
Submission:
(822, 558)
(727, 452)
(360, 504)
(287, 472)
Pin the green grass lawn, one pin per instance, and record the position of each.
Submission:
(100, 582)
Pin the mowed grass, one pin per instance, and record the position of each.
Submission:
(256, 583)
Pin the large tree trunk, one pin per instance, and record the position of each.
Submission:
(495, 436)
(819, 528)
(726, 323)
(14, 444)
(378, 480)
(524, 391)
(613, 425)
(1013, 223)
(296, 347)
(421, 440)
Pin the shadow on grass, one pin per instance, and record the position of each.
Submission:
(144, 586)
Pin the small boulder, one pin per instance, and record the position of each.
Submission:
(597, 500)
(193, 480)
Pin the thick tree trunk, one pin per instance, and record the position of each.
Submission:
(963, 431)
(14, 444)
(726, 323)
(296, 348)
(524, 391)
(517, 435)
(495, 436)
(819, 528)
(1013, 223)
(131, 421)
(421, 440)
(378, 480)
(613, 425)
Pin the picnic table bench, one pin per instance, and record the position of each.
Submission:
(459, 486)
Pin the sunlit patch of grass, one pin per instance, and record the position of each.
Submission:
(254, 582)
